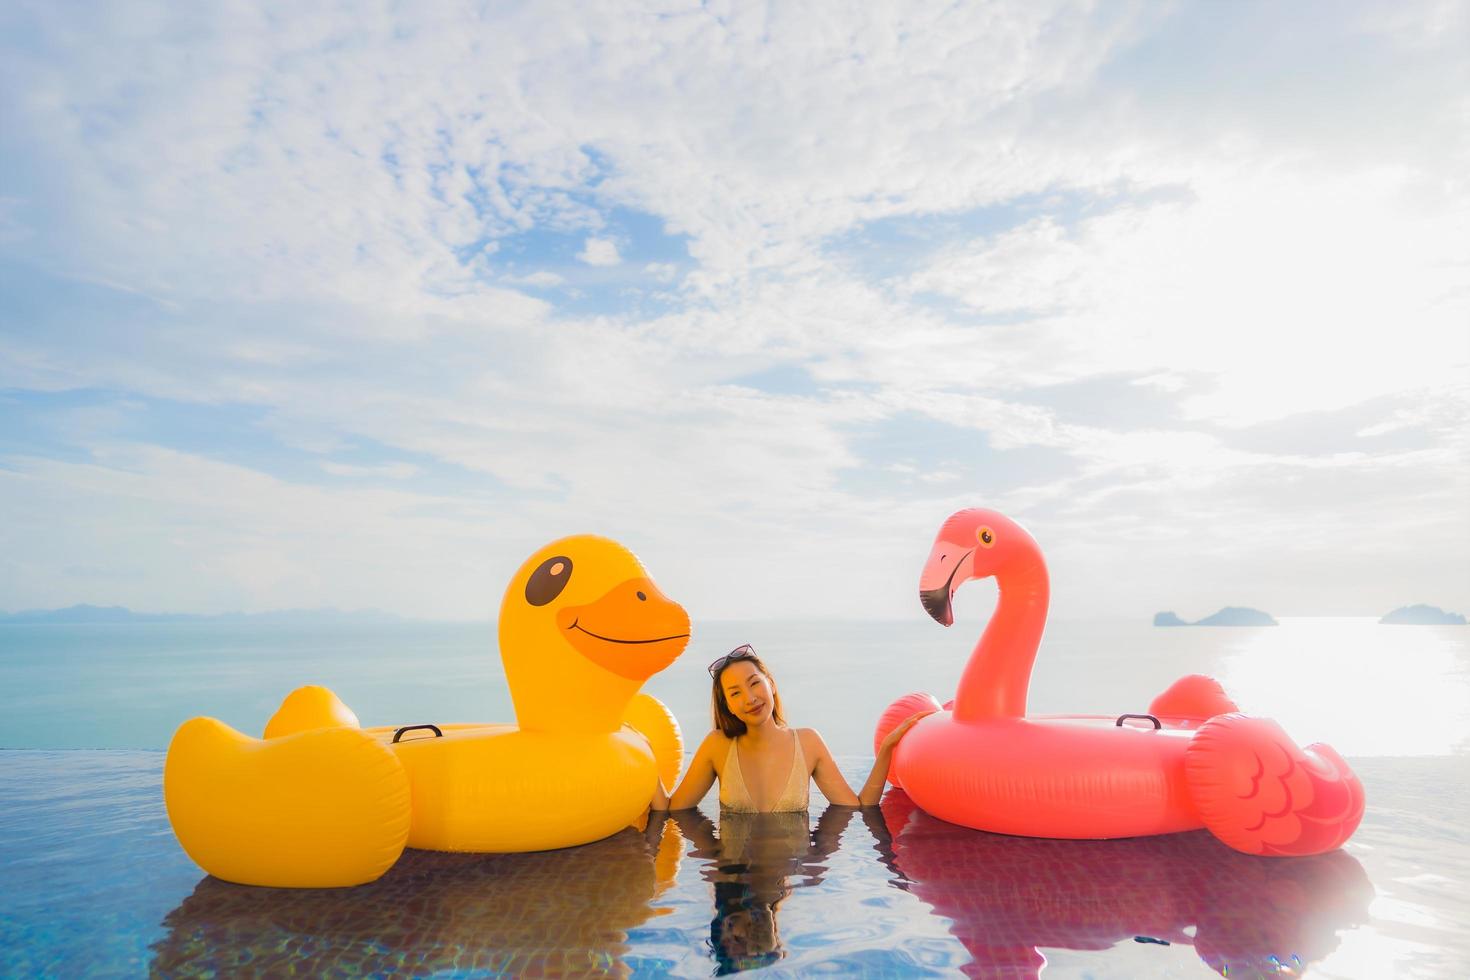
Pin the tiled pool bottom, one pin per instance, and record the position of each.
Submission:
(93, 883)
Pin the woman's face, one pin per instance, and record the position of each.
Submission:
(748, 692)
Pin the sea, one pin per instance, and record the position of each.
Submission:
(95, 884)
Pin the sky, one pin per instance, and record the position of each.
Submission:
(356, 305)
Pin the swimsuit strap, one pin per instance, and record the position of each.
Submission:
(798, 784)
(733, 793)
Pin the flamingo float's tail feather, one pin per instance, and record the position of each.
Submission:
(896, 713)
(1193, 696)
(1261, 793)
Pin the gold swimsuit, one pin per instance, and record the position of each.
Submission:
(735, 796)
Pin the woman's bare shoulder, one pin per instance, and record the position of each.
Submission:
(714, 741)
(811, 739)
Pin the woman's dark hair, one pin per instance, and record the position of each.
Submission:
(735, 953)
(725, 719)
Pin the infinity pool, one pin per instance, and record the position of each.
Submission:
(95, 884)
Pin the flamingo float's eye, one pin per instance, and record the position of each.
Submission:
(985, 536)
(547, 581)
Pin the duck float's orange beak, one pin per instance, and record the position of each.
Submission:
(634, 630)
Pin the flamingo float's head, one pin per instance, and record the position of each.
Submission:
(972, 543)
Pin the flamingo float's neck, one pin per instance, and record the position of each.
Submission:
(999, 670)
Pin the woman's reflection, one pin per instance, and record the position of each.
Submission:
(555, 913)
(1245, 916)
(754, 861)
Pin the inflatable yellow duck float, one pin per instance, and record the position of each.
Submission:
(321, 802)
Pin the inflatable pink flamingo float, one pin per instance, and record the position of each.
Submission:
(1192, 761)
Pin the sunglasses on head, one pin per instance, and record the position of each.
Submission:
(743, 652)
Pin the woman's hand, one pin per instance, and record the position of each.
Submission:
(872, 790)
(902, 730)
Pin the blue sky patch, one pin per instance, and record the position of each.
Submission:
(780, 379)
(544, 261)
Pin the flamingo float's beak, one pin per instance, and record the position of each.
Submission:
(937, 601)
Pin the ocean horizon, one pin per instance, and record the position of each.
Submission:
(100, 686)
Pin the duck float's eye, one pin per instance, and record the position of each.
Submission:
(985, 536)
(547, 581)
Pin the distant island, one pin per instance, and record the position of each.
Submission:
(1420, 615)
(118, 614)
(1229, 616)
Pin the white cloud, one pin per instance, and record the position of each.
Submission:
(1293, 295)
(327, 216)
(484, 128)
(540, 278)
(599, 251)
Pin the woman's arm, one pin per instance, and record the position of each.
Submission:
(835, 788)
(828, 777)
(872, 790)
(696, 782)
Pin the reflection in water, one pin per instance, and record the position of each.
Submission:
(1245, 916)
(754, 861)
(569, 912)
(555, 913)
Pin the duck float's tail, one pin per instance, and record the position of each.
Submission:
(1260, 793)
(308, 708)
(315, 804)
(894, 715)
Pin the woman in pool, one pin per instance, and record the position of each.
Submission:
(755, 861)
(762, 765)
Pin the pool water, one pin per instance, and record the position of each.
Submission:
(95, 884)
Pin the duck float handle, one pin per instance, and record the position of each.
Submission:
(399, 732)
(980, 761)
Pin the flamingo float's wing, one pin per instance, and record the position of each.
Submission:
(1261, 793)
(894, 715)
